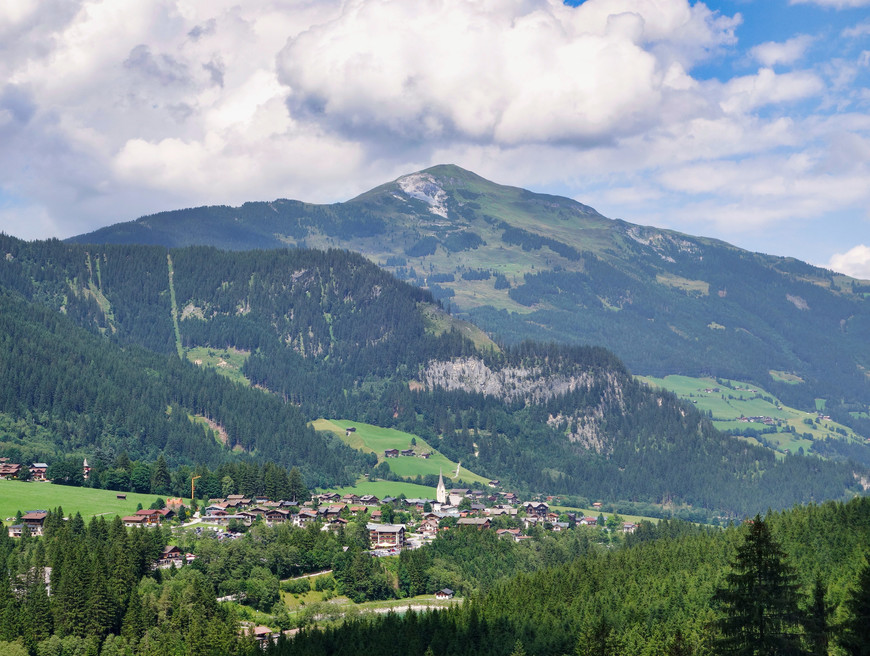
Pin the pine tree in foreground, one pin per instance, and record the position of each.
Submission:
(759, 603)
(855, 635)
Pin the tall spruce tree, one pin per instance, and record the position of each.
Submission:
(855, 630)
(760, 601)
(817, 620)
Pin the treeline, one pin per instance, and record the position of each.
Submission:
(250, 479)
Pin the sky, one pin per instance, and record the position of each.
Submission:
(744, 120)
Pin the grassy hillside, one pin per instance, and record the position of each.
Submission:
(383, 489)
(727, 401)
(373, 439)
(15, 496)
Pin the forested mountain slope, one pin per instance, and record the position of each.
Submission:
(330, 334)
(525, 265)
(70, 391)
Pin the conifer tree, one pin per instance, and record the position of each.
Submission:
(817, 621)
(161, 480)
(855, 635)
(759, 603)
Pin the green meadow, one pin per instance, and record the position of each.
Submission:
(375, 439)
(737, 399)
(15, 496)
(383, 489)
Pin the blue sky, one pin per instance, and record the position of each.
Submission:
(745, 120)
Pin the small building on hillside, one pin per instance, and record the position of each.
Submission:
(444, 593)
(37, 471)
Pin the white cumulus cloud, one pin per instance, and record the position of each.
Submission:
(772, 53)
(854, 262)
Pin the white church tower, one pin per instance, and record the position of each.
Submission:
(440, 491)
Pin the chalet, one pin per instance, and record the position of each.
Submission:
(369, 500)
(37, 471)
(478, 522)
(224, 520)
(355, 510)
(151, 516)
(407, 452)
(334, 524)
(429, 528)
(507, 532)
(391, 453)
(386, 535)
(532, 520)
(597, 505)
(276, 515)
(304, 517)
(170, 556)
(501, 510)
(425, 454)
(258, 511)
(333, 511)
(588, 521)
(328, 497)
(350, 498)
(444, 593)
(16, 530)
(261, 499)
(536, 508)
(134, 520)
(558, 527)
(34, 520)
(628, 527)
(261, 634)
(494, 483)
(9, 470)
(376, 514)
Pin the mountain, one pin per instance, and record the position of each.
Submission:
(523, 265)
(329, 334)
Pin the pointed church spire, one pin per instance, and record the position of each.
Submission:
(440, 491)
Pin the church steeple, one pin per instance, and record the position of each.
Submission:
(440, 491)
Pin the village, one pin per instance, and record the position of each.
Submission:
(422, 519)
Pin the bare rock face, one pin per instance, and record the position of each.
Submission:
(533, 385)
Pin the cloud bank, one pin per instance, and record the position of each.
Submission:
(109, 111)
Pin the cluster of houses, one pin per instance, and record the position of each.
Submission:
(11, 470)
(395, 453)
(768, 421)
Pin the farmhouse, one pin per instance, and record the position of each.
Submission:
(37, 471)
(391, 453)
(9, 470)
(444, 593)
(479, 522)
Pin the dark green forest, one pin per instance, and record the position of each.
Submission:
(92, 357)
(671, 588)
